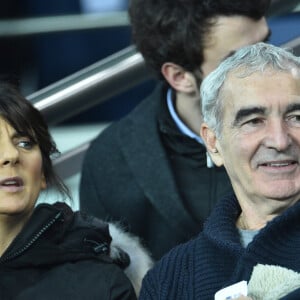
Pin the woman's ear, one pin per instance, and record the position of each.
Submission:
(43, 182)
(178, 78)
(212, 145)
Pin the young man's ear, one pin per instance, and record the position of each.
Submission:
(178, 78)
(212, 145)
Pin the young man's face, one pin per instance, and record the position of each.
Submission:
(227, 35)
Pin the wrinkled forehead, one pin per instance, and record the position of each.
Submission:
(245, 77)
(262, 88)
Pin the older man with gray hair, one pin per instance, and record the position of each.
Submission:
(251, 112)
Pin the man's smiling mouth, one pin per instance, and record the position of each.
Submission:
(278, 164)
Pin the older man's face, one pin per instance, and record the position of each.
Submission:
(260, 144)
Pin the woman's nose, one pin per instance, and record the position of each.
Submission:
(9, 155)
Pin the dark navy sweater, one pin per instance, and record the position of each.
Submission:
(216, 258)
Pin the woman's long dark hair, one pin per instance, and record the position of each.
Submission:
(28, 121)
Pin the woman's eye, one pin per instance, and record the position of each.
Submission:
(26, 144)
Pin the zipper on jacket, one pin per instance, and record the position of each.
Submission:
(98, 247)
(32, 240)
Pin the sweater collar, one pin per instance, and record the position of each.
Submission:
(221, 228)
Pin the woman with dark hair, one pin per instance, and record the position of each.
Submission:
(47, 251)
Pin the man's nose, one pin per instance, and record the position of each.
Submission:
(277, 136)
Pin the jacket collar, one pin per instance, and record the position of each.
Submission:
(140, 139)
(54, 234)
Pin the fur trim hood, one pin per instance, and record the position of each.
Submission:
(139, 261)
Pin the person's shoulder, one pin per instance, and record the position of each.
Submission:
(181, 254)
(172, 273)
(100, 278)
(138, 119)
(104, 142)
(183, 251)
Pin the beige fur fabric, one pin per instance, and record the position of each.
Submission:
(140, 259)
(270, 282)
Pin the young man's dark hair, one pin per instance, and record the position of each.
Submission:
(151, 170)
(177, 31)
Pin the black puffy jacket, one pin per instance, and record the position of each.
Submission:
(60, 254)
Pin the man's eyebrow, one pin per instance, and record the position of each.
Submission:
(292, 107)
(245, 112)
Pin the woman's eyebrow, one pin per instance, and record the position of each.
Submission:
(17, 134)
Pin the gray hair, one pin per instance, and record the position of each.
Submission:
(246, 61)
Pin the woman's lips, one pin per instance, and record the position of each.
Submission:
(12, 184)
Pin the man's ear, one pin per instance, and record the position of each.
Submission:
(212, 145)
(178, 78)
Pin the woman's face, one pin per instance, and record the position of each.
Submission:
(21, 172)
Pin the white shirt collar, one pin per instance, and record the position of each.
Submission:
(183, 128)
